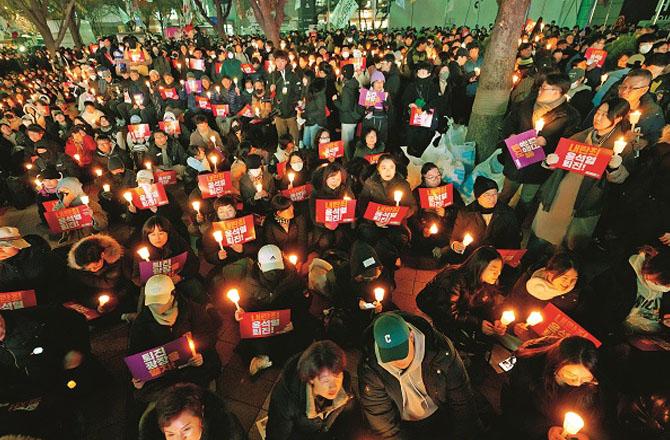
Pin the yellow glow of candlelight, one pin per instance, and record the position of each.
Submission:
(572, 423)
(143, 252)
(103, 299)
(379, 294)
(534, 318)
(433, 229)
(467, 240)
(293, 259)
(507, 317)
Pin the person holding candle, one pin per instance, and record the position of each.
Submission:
(488, 221)
(202, 135)
(286, 228)
(559, 119)
(257, 186)
(107, 148)
(167, 154)
(413, 383)
(164, 243)
(420, 94)
(50, 153)
(166, 314)
(297, 174)
(190, 410)
(314, 112)
(95, 267)
(465, 301)
(649, 116)
(46, 191)
(570, 203)
(286, 88)
(381, 187)
(369, 143)
(347, 105)
(70, 193)
(553, 282)
(553, 376)
(431, 227)
(314, 398)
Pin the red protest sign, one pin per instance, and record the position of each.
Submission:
(170, 127)
(281, 169)
(202, 102)
(154, 363)
(595, 56)
(237, 231)
(139, 132)
(247, 112)
(438, 197)
(512, 257)
(170, 93)
(20, 299)
(558, 323)
(152, 197)
(264, 324)
(335, 211)
(420, 118)
(650, 342)
(49, 205)
(580, 158)
(359, 63)
(220, 110)
(373, 158)
(196, 64)
(167, 177)
(388, 215)
(331, 150)
(89, 314)
(69, 219)
(298, 193)
(215, 184)
(248, 68)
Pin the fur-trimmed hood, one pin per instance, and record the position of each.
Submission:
(113, 250)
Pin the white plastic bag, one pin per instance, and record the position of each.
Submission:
(490, 168)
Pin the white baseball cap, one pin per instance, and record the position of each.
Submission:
(158, 290)
(11, 237)
(270, 258)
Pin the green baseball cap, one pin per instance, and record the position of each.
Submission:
(391, 335)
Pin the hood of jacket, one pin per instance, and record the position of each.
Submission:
(113, 250)
(542, 289)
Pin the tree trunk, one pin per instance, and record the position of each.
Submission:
(495, 84)
(74, 31)
(269, 22)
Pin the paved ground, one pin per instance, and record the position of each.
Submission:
(105, 417)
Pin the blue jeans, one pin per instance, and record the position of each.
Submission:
(309, 132)
(348, 134)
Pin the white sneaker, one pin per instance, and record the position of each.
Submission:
(259, 363)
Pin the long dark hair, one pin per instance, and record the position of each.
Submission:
(156, 221)
(472, 268)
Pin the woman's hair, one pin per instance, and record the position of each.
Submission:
(297, 153)
(87, 252)
(333, 168)
(387, 156)
(617, 108)
(367, 131)
(427, 167)
(657, 263)
(473, 267)
(320, 356)
(319, 133)
(177, 399)
(225, 201)
(560, 263)
(570, 350)
(153, 222)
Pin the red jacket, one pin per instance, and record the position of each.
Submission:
(85, 152)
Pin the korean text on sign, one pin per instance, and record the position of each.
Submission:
(585, 159)
(439, 197)
(385, 214)
(215, 184)
(335, 211)
(524, 149)
(237, 230)
(264, 324)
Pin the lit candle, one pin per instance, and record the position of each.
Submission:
(218, 89)
(634, 118)
(196, 206)
(477, 71)
(467, 240)
(619, 145)
(379, 294)
(397, 196)
(218, 236)
(235, 81)
(539, 125)
(515, 79)
(178, 66)
(433, 229)
(77, 157)
(148, 84)
(143, 252)
(234, 296)
(346, 197)
(85, 199)
(106, 187)
(98, 172)
(213, 140)
(293, 259)
(291, 177)
(572, 423)
(534, 318)
(603, 78)
(191, 345)
(29, 166)
(148, 165)
(128, 196)
(71, 384)
(38, 183)
(548, 46)
(214, 159)
(102, 300)
(507, 317)
(259, 187)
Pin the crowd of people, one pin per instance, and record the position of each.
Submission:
(183, 182)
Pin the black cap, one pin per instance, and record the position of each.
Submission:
(483, 184)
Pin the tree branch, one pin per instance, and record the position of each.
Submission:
(201, 9)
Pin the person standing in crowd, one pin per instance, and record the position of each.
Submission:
(286, 88)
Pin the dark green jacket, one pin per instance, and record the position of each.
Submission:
(347, 103)
(285, 102)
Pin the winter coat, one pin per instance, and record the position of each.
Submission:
(287, 414)
(293, 241)
(444, 377)
(174, 150)
(561, 121)
(315, 105)
(85, 150)
(32, 268)
(285, 102)
(379, 191)
(502, 232)
(111, 274)
(218, 422)
(347, 103)
(361, 150)
(175, 245)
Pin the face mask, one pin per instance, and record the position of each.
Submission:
(645, 48)
(297, 166)
(255, 173)
(230, 55)
(273, 276)
(574, 85)
(250, 90)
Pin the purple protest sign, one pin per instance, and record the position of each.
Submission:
(524, 150)
(168, 266)
(154, 363)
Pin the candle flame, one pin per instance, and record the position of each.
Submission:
(196, 205)
(433, 229)
(85, 200)
(572, 423)
(293, 259)
(467, 240)
(128, 196)
(233, 295)
(534, 318)
(106, 187)
(103, 299)
(143, 252)
(218, 236)
(379, 294)
(507, 317)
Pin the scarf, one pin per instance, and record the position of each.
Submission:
(482, 210)
(167, 318)
(542, 108)
(542, 289)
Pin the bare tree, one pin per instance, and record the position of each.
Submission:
(222, 9)
(495, 84)
(270, 16)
